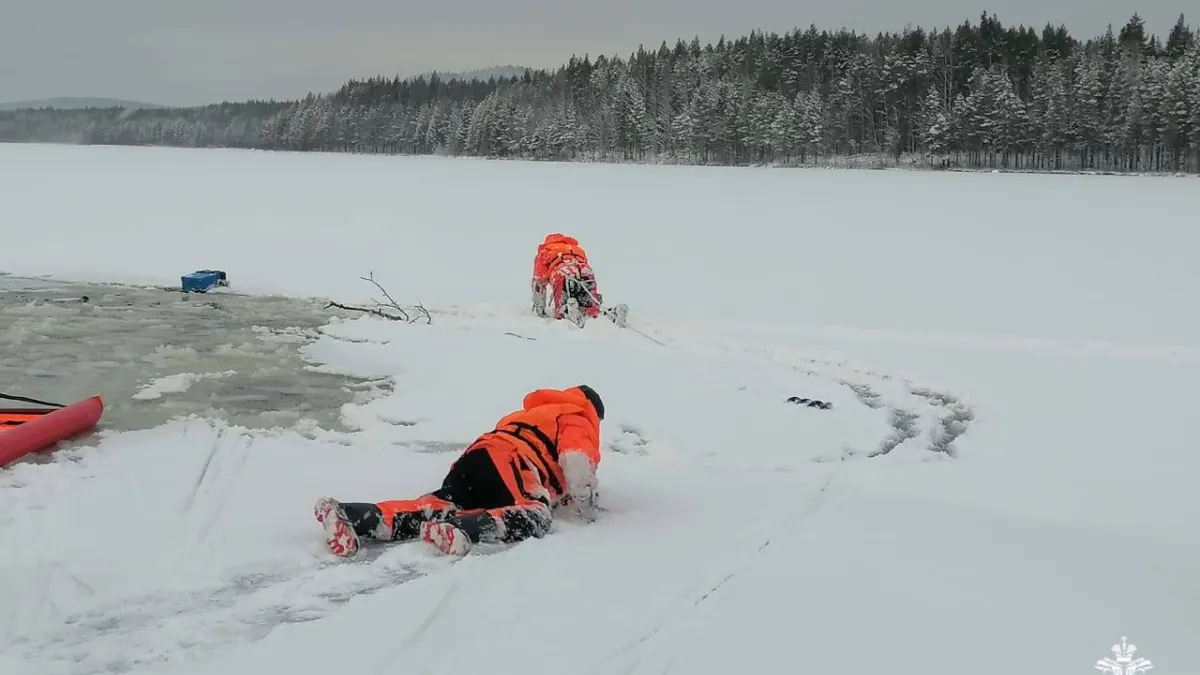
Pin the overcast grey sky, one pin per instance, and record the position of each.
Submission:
(184, 52)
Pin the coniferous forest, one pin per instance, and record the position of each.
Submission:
(982, 95)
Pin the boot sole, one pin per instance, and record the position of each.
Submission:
(340, 537)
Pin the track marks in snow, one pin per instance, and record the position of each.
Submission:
(936, 418)
(917, 413)
(954, 422)
(436, 447)
(216, 482)
(629, 441)
(158, 628)
(905, 425)
(672, 625)
(36, 597)
(865, 394)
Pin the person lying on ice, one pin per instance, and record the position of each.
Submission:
(502, 489)
(561, 268)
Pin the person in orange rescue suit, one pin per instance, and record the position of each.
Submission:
(503, 488)
(559, 265)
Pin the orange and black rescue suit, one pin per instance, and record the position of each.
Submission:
(504, 486)
(561, 268)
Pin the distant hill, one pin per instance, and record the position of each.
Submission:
(70, 103)
(484, 74)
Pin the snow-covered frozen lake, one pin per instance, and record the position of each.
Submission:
(1005, 479)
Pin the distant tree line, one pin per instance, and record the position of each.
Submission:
(981, 95)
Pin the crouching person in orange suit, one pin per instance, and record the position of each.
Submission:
(502, 489)
(560, 271)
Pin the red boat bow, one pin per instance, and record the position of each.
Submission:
(23, 431)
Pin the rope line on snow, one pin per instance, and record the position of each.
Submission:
(579, 284)
(22, 399)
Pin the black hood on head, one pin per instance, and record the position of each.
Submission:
(594, 399)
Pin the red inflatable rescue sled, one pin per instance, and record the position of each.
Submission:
(26, 430)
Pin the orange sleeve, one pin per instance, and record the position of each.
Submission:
(576, 434)
(541, 270)
(578, 457)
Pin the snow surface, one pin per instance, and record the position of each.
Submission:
(1005, 480)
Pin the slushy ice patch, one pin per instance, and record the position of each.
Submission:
(157, 354)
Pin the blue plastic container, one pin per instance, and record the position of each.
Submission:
(203, 281)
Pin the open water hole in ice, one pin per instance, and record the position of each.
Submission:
(155, 354)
